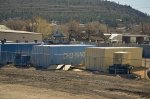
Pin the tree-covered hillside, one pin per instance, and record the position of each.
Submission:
(64, 10)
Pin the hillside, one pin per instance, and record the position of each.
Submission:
(63, 10)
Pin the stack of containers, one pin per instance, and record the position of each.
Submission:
(46, 55)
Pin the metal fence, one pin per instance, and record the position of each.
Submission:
(66, 58)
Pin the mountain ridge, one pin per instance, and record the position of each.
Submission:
(64, 10)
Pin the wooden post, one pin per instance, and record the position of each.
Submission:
(145, 70)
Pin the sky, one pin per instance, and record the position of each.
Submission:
(141, 5)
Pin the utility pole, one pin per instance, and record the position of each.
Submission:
(107, 28)
(142, 26)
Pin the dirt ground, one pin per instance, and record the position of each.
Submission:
(19, 83)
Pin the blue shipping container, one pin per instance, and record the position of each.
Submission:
(46, 55)
(146, 50)
(8, 51)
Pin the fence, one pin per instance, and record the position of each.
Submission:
(68, 58)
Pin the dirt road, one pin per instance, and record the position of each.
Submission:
(17, 83)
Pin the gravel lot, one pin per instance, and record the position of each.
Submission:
(19, 83)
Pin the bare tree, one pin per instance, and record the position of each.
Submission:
(41, 26)
(16, 24)
(145, 28)
(73, 29)
(95, 28)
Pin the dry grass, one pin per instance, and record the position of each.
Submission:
(18, 83)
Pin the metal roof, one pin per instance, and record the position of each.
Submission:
(65, 45)
(135, 35)
(121, 52)
(16, 31)
(19, 43)
(112, 47)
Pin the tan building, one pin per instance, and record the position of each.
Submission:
(20, 36)
(134, 38)
(100, 58)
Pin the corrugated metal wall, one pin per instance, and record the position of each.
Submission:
(8, 51)
(46, 55)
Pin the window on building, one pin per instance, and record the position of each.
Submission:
(17, 41)
(5, 40)
(26, 41)
(35, 41)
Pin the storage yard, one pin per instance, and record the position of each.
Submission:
(31, 71)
